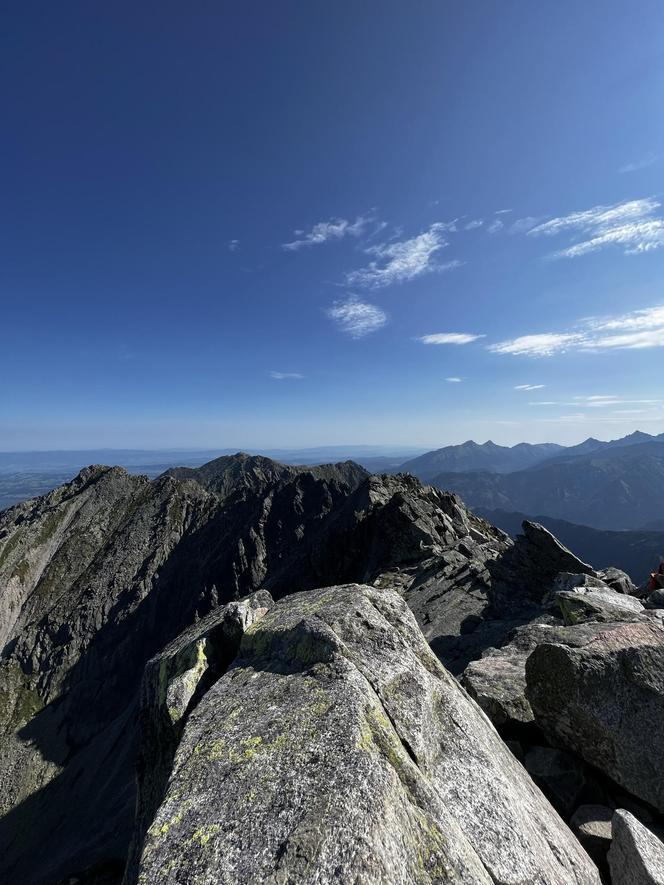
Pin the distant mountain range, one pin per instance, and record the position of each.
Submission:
(615, 485)
(472, 456)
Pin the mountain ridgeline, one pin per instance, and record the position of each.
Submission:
(615, 485)
(471, 456)
(250, 672)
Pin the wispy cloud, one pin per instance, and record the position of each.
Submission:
(233, 245)
(495, 226)
(632, 331)
(404, 260)
(643, 163)
(631, 225)
(286, 376)
(326, 231)
(636, 330)
(474, 224)
(542, 344)
(529, 386)
(454, 380)
(357, 318)
(449, 338)
(523, 225)
(605, 401)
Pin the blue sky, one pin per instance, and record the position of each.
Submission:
(287, 224)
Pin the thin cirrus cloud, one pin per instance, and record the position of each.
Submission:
(643, 163)
(454, 380)
(519, 226)
(542, 344)
(604, 401)
(286, 376)
(637, 330)
(357, 318)
(529, 386)
(327, 231)
(631, 225)
(404, 260)
(449, 338)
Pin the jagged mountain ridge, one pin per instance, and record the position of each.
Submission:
(616, 487)
(475, 456)
(471, 457)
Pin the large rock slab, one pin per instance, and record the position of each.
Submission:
(338, 749)
(636, 856)
(497, 681)
(599, 603)
(605, 701)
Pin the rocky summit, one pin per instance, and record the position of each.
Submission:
(255, 673)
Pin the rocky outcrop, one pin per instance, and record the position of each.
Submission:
(497, 681)
(173, 682)
(597, 603)
(336, 748)
(604, 700)
(617, 580)
(636, 856)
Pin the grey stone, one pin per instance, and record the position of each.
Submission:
(497, 681)
(636, 856)
(337, 749)
(571, 581)
(618, 580)
(605, 701)
(597, 604)
(592, 824)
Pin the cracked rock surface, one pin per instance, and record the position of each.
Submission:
(336, 748)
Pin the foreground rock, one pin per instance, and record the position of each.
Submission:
(636, 856)
(605, 701)
(337, 749)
